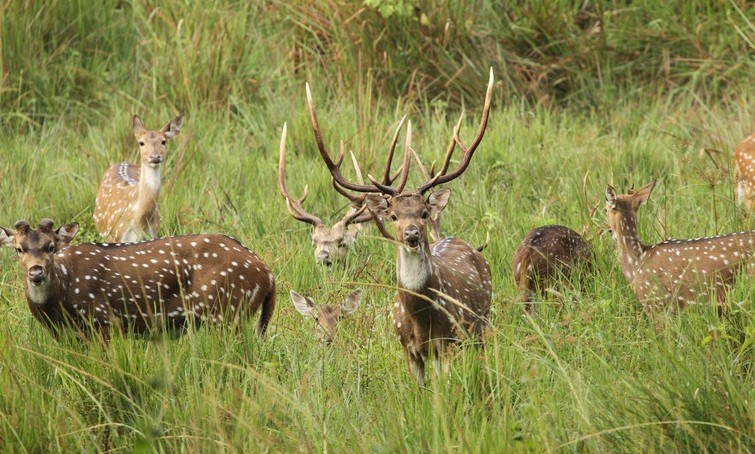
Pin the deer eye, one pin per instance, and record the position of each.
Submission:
(394, 218)
(51, 248)
(164, 142)
(425, 215)
(19, 250)
(342, 244)
(141, 143)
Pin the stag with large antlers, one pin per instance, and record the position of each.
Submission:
(170, 281)
(445, 288)
(331, 244)
(675, 273)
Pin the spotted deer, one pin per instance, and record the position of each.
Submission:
(126, 206)
(675, 273)
(326, 316)
(444, 289)
(171, 281)
(546, 254)
(744, 172)
(331, 244)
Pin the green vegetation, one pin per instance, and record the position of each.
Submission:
(627, 91)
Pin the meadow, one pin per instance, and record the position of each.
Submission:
(586, 95)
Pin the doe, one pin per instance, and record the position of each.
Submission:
(171, 281)
(675, 273)
(126, 206)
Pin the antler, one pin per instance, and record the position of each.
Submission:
(388, 189)
(442, 176)
(335, 167)
(293, 205)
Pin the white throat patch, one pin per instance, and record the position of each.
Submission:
(414, 269)
(38, 293)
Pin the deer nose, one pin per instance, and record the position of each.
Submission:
(411, 233)
(155, 158)
(36, 274)
(324, 258)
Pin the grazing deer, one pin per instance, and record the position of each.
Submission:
(331, 244)
(675, 273)
(326, 316)
(126, 206)
(545, 254)
(744, 172)
(445, 288)
(210, 278)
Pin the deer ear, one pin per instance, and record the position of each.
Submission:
(377, 204)
(642, 195)
(352, 302)
(172, 129)
(610, 194)
(302, 304)
(65, 234)
(6, 236)
(438, 200)
(138, 126)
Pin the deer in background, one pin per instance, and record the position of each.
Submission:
(331, 244)
(744, 172)
(170, 281)
(444, 289)
(326, 316)
(675, 273)
(545, 254)
(126, 206)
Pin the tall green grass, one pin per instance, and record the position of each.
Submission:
(591, 372)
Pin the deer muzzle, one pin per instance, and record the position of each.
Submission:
(411, 237)
(155, 159)
(36, 275)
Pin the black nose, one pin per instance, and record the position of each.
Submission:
(155, 158)
(411, 233)
(36, 274)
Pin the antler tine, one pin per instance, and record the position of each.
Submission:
(357, 169)
(387, 180)
(354, 218)
(294, 205)
(404, 167)
(353, 198)
(333, 167)
(442, 177)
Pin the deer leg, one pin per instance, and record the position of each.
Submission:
(416, 366)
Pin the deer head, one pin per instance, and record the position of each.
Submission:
(36, 250)
(152, 144)
(326, 316)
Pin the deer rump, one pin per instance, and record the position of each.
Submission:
(161, 283)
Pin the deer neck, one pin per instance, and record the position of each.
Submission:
(149, 189)
(630, 248)
(415, 268)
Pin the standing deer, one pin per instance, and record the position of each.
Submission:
(331, 244)
(126, 206)
(326, 316)
(675, 273)
(208, 278)
(445, 288)
(744, 172)
(545, 254)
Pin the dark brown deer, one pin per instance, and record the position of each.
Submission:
(170, 281)
(744, 172)
(126, 206)
(444, 289)
(675, 273)
(326, 316)
(331, 244)
(546, 254)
